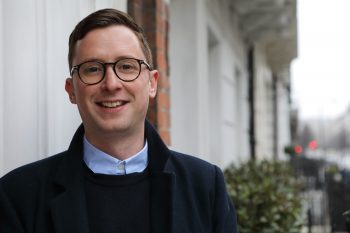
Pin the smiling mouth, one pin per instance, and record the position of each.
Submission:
(112, 104)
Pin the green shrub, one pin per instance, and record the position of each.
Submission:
(266, 197)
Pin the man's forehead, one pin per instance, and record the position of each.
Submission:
(116, 31)
(117, 39)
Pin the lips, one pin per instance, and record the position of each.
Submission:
(112, 104)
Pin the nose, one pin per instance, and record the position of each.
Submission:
(111, 82)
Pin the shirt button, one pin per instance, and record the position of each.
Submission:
(121, 166)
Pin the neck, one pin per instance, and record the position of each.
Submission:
(119, 145)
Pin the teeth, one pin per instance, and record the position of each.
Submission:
(112, 104)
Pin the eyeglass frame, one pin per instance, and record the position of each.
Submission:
(113, 64)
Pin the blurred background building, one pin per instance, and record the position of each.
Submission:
(224, 90)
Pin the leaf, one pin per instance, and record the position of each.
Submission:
(266, 196)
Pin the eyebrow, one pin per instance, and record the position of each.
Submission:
(105, 61)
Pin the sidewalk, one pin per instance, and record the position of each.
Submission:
(318, 229)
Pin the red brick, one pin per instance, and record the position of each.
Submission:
(165, 135)
(162, 63)
(163, 119)
(160, 40)
(163, 81)
(152, 15)
(163, 100)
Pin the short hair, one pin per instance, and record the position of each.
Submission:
(104, 18)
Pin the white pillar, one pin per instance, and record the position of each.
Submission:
(20, 82)
(188, 77)
(117, 4)
(1, 92)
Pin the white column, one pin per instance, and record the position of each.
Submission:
(188, 77)
(242, 113)
(215, 126)
(1, 93)
(183, 73)
(284, 133)
(117, 4)
(202, 59)
(20, 83)
(62, 116)
(40, 59)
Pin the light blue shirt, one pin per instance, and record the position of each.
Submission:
(102, 163)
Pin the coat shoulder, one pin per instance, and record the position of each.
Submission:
(192, 162)
(203, 185)
(195, 169)
(33, 172)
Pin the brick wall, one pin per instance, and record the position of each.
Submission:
(152, 15)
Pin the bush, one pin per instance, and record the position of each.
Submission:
(266, 197)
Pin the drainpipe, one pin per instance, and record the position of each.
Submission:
(275, 116)
(251, 99)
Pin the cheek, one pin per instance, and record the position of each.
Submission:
(82, 94)
(141, 96)
(138, 90)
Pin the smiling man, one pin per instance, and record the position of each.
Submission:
(112, 84)
(117, 174)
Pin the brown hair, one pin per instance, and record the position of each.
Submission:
(104, 18)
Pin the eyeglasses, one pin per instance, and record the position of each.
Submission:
(93, 72)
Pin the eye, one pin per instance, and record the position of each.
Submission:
(91, 68)
(127, 66)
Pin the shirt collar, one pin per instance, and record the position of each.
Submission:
(100, 162)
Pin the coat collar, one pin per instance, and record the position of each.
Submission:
(68, 208)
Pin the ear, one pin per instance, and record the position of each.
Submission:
(153, 82)
(70, 90)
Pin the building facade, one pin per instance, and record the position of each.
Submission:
(223, 91)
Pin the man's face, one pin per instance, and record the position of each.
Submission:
(111, 106)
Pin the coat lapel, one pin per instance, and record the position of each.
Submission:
(68, 208)
(69, 212)
(162, 184)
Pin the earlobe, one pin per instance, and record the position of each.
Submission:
(70, 90)
(153, 82)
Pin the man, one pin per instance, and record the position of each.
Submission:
(117, 175)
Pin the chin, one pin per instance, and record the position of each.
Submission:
(115, 127)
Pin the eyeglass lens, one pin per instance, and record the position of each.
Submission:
(93, 72)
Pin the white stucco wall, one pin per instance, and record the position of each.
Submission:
(1, 92)
(230, 118)
(209, 108)
(36, 118)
